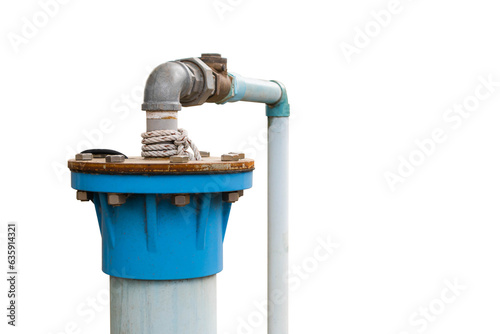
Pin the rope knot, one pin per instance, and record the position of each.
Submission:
(165, 143)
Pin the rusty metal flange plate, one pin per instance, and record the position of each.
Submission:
(139, 165)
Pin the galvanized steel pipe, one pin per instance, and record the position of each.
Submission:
(163, 307)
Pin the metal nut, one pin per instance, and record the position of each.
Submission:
(230, 197)
(204, 154)
(240, 192)
(207, 81)
(115, 158)
(180, 200)
(240, 154)
(179, 159)
(230, 157)
(83, 156)
(116, 199)
(215, 61)
(83, 196)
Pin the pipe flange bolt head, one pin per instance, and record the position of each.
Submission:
(115, 158)
(180, 200)
(179, 159)
(83, 156)
(208, 82)
(230, 157)
(231, 197)
(117, 199)
(83, 196)
(241, 155)
(205, 154)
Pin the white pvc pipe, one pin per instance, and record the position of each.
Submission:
(277, 225)
(164, 307)
(161, 120)
(263, 91)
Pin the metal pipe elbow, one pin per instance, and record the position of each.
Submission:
(165, 87)
(174, 84)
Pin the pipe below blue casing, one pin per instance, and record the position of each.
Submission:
(164, 307)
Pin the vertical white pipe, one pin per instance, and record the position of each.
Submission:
(163, 307)
(277, 225)
(161, 120)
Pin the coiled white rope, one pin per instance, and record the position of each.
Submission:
(165, 143)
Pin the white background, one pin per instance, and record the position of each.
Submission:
(352, 120)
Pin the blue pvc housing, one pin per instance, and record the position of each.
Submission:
(161, 184)
(149, 238)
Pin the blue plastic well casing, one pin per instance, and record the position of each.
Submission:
(148, 237)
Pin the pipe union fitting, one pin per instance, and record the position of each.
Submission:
(204, 85)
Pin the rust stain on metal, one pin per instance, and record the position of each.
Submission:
(139, 165)
(222, 79)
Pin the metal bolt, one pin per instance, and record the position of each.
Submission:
(216, 55)
(230, 197)
(204, 154)
(115, 158)
(180, 200)
(241, 155)
(82, 196)
(240, 192)
(116, 199)
(83, 156)
(230, 157)
(179, 159)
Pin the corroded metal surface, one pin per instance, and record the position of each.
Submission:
(139, 165)
(164, 307)
(222, 79)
